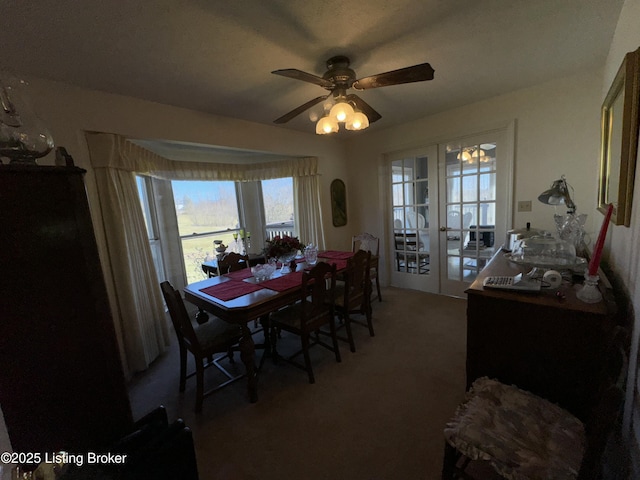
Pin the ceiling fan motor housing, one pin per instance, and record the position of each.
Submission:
(339, 73)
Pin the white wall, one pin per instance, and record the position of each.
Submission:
(622, 251)
(69, 111)
(557, 132)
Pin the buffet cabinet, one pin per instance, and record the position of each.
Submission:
(548, 342)
(62, 385)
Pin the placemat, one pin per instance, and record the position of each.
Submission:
(230, 290)
(285, 282)
(335, 255)
(239, 274)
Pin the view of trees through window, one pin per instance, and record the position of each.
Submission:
(277, 196)
(206, 211)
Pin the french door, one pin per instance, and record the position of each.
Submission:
(450, 210)
(414, 193)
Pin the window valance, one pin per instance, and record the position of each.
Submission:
(128, 156)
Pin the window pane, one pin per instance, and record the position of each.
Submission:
(141, 182)
(469, 188)
(205, 207)
(277, 197)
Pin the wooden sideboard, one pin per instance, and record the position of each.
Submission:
(550, 344)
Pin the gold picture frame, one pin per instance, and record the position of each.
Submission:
(619, 141)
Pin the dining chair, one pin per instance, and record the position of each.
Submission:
(512, 432)
(203, 341)
(231, 262)
(304, 318)
(367, 242)
(354, 294)
(409, 256)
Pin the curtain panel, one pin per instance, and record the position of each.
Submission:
(116, 161)
(139, 312)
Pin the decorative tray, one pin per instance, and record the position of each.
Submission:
(578, 264)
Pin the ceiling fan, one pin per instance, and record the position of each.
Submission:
(339, 78)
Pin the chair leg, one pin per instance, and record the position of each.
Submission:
(347, 324)
(199, 384)
(273, 343)
(368, 314)
(307, 359)
(334, 338)
(183, 367)
(378, 286)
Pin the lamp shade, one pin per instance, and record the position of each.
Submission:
(326, 125)
(358, 121)
(341, 112)
(558, 194)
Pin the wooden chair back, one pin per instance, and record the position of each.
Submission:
(357, 280)
(180, 318)
(232, 262)
(317, 296)
(367, 242)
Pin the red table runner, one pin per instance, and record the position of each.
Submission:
(230, 290)
(285, 282)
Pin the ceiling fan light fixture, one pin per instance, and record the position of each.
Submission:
(358, 121)
(341, 112)
(326, 125)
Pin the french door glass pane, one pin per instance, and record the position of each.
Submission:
(470, 206)
(410, 199)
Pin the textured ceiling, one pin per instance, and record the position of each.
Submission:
(216, 56)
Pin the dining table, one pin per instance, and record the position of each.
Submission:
(239, 298)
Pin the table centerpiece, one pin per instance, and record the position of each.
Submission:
(284, 249)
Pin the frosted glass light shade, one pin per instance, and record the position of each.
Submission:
(326, 125)
(341, 112)
(358, 121)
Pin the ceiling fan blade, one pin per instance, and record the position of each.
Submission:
(364, 107)
(417, 73)
(297, 111)
(304, 76)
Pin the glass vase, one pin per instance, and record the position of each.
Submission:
(285, 260)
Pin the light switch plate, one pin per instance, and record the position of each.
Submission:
(524, 206)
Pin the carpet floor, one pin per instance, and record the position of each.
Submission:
(379, 414)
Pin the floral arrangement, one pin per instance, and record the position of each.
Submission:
(281, 246)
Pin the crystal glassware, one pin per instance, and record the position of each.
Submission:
(23, 136)
(311, 254)
(590, 293)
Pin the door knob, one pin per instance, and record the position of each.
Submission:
(443, 229)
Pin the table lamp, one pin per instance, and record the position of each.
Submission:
(558, 194)
(570, 226)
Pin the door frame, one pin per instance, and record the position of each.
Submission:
(505, 137)
(425, 282)
(509, 129)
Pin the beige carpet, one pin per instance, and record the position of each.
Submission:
(377, 415)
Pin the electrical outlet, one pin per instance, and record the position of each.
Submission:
(524, 206)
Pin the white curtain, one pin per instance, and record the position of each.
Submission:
(139, 311)
(116, 160)
(308, 211)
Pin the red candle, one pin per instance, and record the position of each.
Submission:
(597, 249)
